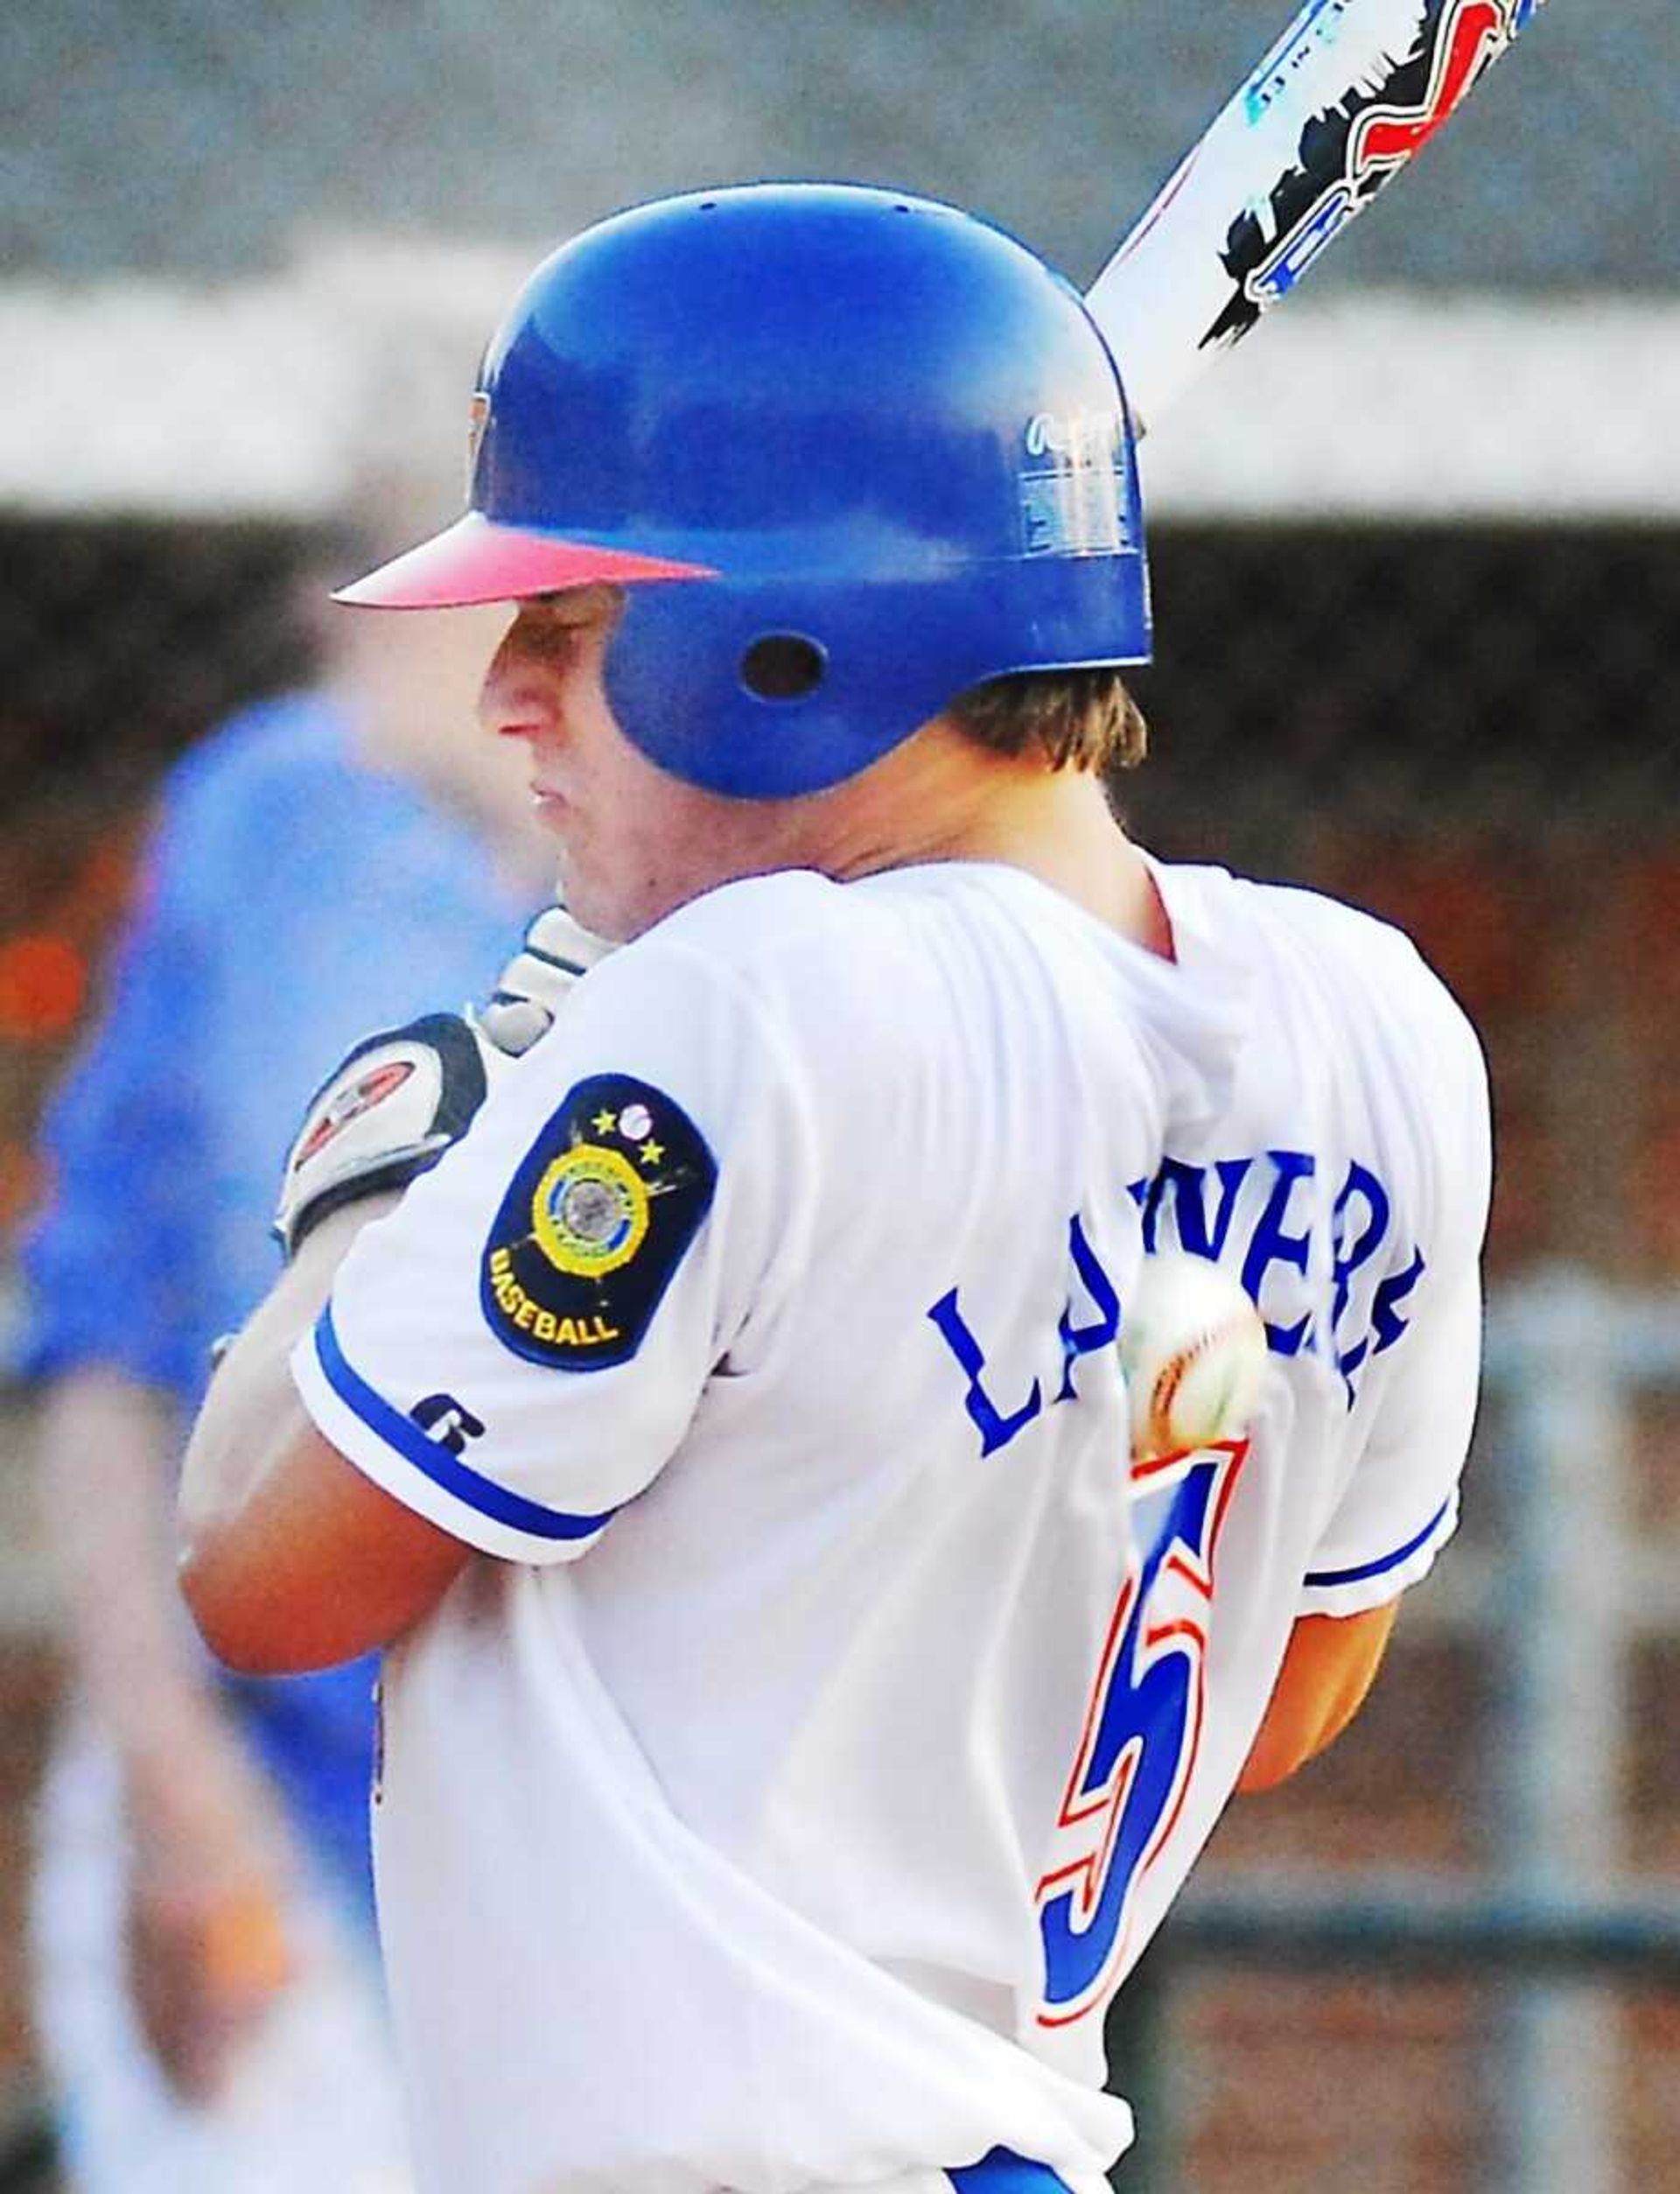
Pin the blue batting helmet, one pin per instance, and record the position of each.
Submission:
(849, 453)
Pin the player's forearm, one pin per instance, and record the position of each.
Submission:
(292, 1558)
(1331, 1664)
(252, 1415)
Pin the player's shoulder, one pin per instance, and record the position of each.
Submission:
(770, 933)
(790, 965)
(1375, 969)
(810, 949)
(1359, 1023)
(1305, 909)
(787, 910)
(1386, 1015)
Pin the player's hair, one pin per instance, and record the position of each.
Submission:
(1076, 720)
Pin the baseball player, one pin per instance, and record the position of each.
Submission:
(795, 1719)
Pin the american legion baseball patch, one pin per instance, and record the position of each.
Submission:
(594, 1224)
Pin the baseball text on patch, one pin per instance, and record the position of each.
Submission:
(594, 1224)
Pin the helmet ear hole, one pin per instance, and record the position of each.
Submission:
(783, 666)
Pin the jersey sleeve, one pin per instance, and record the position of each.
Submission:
(1401, 1504)
(517, 1349)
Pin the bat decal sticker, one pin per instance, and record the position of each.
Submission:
(1348, 151)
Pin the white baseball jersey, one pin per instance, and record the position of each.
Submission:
(796, 1834)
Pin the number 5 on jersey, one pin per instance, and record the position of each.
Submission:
(1141, 1731)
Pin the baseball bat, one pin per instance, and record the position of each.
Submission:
(1337, 108)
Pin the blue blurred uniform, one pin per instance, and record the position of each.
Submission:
(293, 899)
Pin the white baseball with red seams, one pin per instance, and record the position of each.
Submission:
(1193, 1351)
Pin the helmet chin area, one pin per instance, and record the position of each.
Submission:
(775, 690)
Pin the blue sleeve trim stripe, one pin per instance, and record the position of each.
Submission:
(437, 1463)
(1388, 1561)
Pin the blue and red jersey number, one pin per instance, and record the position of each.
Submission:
(1141, 1732)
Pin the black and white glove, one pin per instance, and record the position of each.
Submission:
(395, 1104)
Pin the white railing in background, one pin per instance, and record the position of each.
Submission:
(1575, 1588)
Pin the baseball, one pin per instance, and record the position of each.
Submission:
(1194, 1350)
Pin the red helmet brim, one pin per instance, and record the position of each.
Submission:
(477, 560)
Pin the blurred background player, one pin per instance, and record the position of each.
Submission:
(207, 1993)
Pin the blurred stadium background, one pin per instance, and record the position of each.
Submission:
(1418, 579)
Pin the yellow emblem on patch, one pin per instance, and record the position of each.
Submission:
(594, 1224)
(590, 1211)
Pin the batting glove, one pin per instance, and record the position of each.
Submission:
(556, 950)
(395, 1104)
